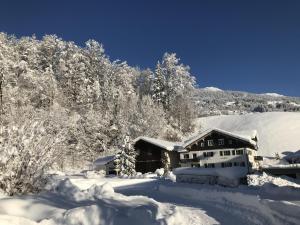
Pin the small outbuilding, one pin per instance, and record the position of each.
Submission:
(152, 152)
(105, 163)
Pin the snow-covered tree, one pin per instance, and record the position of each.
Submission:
(173, 85)
(125, 159)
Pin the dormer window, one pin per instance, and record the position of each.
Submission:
(210, 142)
(202, 144)
(221, 141)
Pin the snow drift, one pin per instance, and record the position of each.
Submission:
(97, 205)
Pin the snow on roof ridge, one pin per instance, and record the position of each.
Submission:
(236, 135)
(105, 159)
(168, 145)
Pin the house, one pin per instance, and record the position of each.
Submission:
(218, 154)
(216, 148)
(214, 152)
(105, 163)
(151, 151)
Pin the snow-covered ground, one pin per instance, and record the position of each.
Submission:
(277, 131)
(151, 200)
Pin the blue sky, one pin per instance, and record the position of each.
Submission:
(236, 45)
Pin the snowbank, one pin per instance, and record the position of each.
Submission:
(262, 179)
(95, 174)
(97, 205)
(250, 207)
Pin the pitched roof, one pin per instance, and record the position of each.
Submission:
(167, 145)
(104, 160)
(246, 136)
(241, 136)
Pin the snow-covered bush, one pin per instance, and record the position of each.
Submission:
(28, 148)
(159, 172)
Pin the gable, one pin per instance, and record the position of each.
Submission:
(216, 139)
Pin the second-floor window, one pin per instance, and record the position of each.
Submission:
(186, 156)
(194, 156)
(210, 142)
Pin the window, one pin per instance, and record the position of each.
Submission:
(211, 165)
(230, 142)
(242, 164)
(194, 156)
(221, 141)
(235, 164)
(208, 154)
(210, 142)
(196, 165)
(233, 152)
(221, 153)
(227, 164)
(202, 144)
(239, 152)
(186, 156)
(226, 152)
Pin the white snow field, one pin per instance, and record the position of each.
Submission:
(277, 131)
(77, 200)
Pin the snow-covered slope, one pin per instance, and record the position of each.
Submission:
(274, 94)
(211, 89)
(277, 131)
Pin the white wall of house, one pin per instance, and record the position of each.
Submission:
(218, 158)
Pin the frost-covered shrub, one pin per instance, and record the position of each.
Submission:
(28, 148)
(159, 172)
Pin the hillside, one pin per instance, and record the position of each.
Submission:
(277, 131)
(214, 101)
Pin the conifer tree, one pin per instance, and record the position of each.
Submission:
(125, 159)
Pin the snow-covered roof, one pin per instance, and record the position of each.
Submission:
(241, 136)
(167, 145)
(104, 160)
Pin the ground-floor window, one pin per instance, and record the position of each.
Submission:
(239, 152)
(208, 154)
(196, 165)
(226, 164)
(209, 165)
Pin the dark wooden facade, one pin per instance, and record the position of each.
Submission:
(216, 137)
(149, 157)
